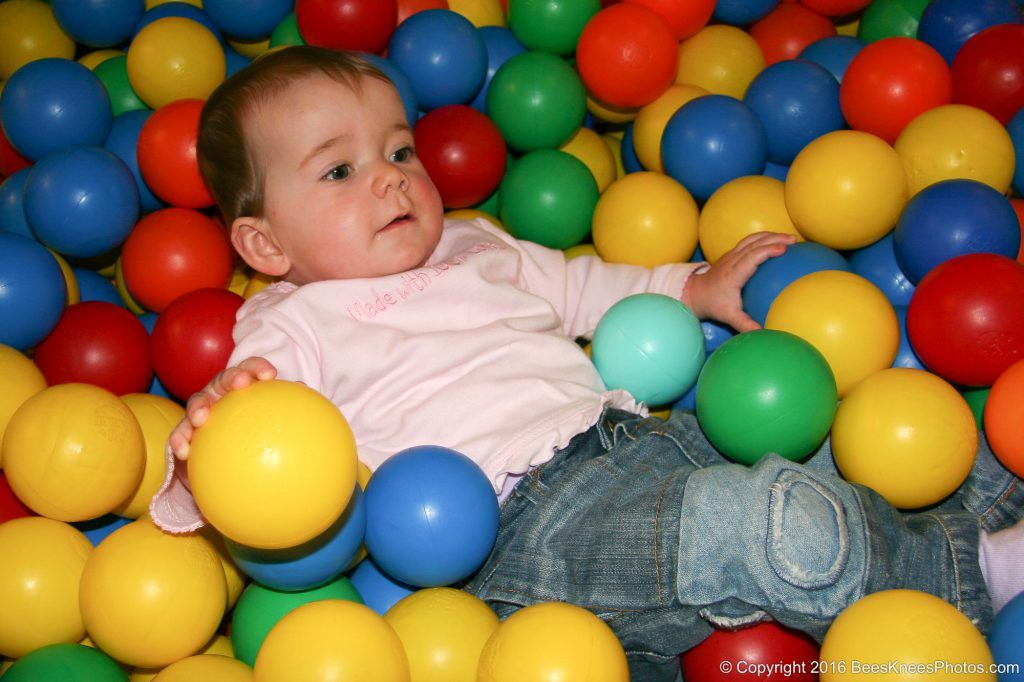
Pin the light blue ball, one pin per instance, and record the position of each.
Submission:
(905, 355)
(379, 590)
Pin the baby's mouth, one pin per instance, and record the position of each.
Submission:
(398, 221)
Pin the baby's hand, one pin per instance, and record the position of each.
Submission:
(716, 293)
(198, 408)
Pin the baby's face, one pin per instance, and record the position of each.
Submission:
(345, 194)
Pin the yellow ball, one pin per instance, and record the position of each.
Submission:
(479, 12)
(156, 416)
(651, 121)
(70, 281)
(721, 59)
(22, 380)
(257, 283)
(122, 290)
(553, 641)
(41, 563)
(846, 317)
(73, 452)
(174, 58)
(907, 434)
(443, 631)
(610, 113)
(28, 31)
(581, 250)
(97, 57)
(251, 48)
(150, 598)
(234, 579)
(279, 442)
(588, 147)
(334, 640)
(645, 219)
(150, 4)
(956, 141)
(206, 667)
(846, 189)
(363, 475)
(741, 207)
(615, 145)
(239, 280)
(220, 645)
(905, 627)
(473, 214)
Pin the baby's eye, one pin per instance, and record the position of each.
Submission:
(403, 155)
(339, 172)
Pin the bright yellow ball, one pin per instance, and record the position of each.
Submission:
(443, 631)
(741, 207)
(615, 145)
(174, 58)
(219, 646)
(610, 113)
(553, 641)
(846, 189)
(363, 475)
(251, 48)
(70, 281)
(122, 290)
(581, 250)
(956, 141)
(279, 442)
(206, 667)
(150, 4)
(234, 579)
(22, 380)
(28, 31)
(651, 121)
(150, 598)
(908, 627)
(73, 452)
(334, 640)
(588, 147)
(257, 283)
(157, 416)
(846, 317)
(97, 57)
(479, 12)
(907, 434)
(239, 281)
(41, 563)
(473, 214)
(721, 59)
(645, 219)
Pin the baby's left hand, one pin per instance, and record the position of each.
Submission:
(716, 293)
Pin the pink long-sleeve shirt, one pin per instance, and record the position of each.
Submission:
(474, 351)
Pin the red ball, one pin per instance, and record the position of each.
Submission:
(890, 82)
(10, 160)
(10, 506)
(988, 71)
(171, 252)
(835, 8)
(685, 18)
(167, 154)
(463, 152)
(627, 55)
(97, 343)
(759, 653)
(407, 8)
(966, 318)
(785, 31)
(192, 339)
(364, 25)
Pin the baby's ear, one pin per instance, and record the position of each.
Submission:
(255, 243)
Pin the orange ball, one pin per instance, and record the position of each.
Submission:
(167, 154)
(1004, 413)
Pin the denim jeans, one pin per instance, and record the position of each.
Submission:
(644, 523)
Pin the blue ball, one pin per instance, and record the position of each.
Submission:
(877, 264)
(92, 286)
(98, 23)
(247, 19)
(123, 142)
(378, 589)
(947, 24)
(401, 83)
(310, 564)
(797, 101)
(777, 171)
(1006, 639)
(712, 140)
(715, 334)
(234, 62)
(905, 355)
(834, 53)
(178, 9)
(742, 12)
(952, 218)
(630, 161)
(12, 207)
(1016, 129)
(501, 45)
(148, 321)
(650, 345)
(443, 55)
(32, 291)
(54, 103)
(81, 201)
(96, 530)
(777, 273)
(431, 516)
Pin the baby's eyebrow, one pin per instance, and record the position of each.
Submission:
(324, 146)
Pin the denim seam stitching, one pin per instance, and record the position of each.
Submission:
(657, 520)
(954, 550)
(1010, 489)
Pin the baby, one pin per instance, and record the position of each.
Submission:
(454, 333)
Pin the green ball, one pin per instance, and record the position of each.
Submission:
(260, 608)
(113, 73)
(976, 399)
(67, 663)
(548, 197)
(766, 391)
(890, 19)
(286, 32)
(550, 25)
(537, 101)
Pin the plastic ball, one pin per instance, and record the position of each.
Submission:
(98, 23)
(286, 32)
(51, 104)
(550, 26)
(947, 24)
(1003, 411)
(501, 46)
(167, 155)
(956, 141)
(462, 151)
(627, 55)
(379, 590)
(721, 59)
(142, 580)
(833, 53)
(846, 189)
(123, 143)
(175, 58)
(114, 74)
(764, 646)
(742, 12)
(12, 205)
(902, 626)
(563, 641)
(710, 141)
(1015, 128)
(10, 506)
(877, 263)
(96, 530)
(185, 9)
(777, 273)
(952, 218)
(156, 416)
(33, 293)
(588, 147)
(10, 160)
(67, 662)
(905, 355)
(890, 19)
(28, 32)
(22, 380)
(40, 569)
(652, 118)
(481, 12)
(365, 25)
(310, 475)
(741, 207)
(401, 83)
(73, 452)
(785, 31)
(630, 162)
(407, 8)
(246, 20)
(1006, 639)
(966, 319)
(988, 71)
(443, 55)
(206, 667)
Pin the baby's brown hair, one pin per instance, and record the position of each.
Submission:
(226, 159)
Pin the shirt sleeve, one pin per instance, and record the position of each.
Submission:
(288, 344)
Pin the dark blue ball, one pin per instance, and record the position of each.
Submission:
(96, 530)
(401, 83)
(178, 9)
(834, 53)
(777, 171)
(148, 321)
(501, 45)
(947, 24)
(379, 590)
(777, 273)
(742, 12)
(98, 23)
(1006, 639)
(234, 62)
(247, 19)
(32, 291)
(1016, 129)
(12, 207)
(92, 286)
(123, 142)
(630, 161)
(877, 264)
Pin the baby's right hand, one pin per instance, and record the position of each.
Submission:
(198, 408)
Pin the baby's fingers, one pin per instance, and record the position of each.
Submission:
(180, 438)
